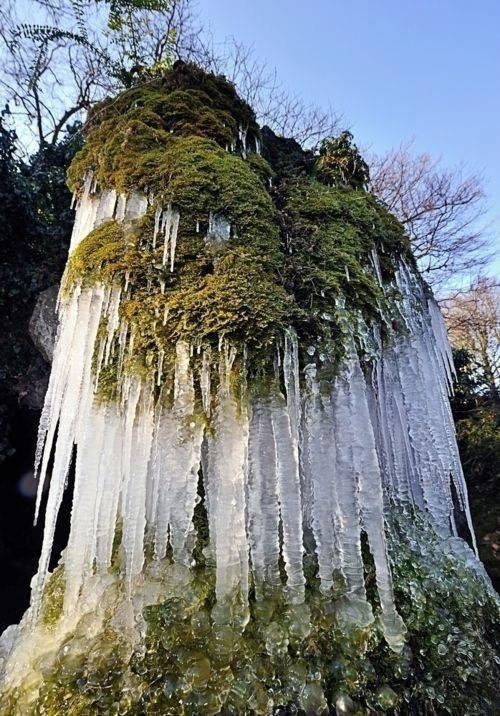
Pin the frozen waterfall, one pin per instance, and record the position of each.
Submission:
(320, 457)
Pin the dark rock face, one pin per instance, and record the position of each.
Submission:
(32, 386)
(43, 323)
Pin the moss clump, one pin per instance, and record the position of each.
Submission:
(124, 134)
(299, 252)
(100, 257)
(332, 234)
(340, 163)
(200, 657)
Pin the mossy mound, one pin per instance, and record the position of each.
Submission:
(300, 248)
(199, 657)
(128, 131)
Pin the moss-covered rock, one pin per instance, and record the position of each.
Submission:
(297, 251)
(302, 244)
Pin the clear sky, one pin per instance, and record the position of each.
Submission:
(398, 70)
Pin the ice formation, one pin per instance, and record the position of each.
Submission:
(249, 399)
(321, 457)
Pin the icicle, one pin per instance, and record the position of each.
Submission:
(349, 533)
(85, 218)
(441, 342)
(105, 207)
(346, 271)
(262, 500)
(137, 205)
(160, 478)
(205, 381)
(226, 470)
(113, 314)
(366, 465)
(68, 318)
(158, 213)
(138, 434)
(219, 228)
(242, 134)
(170, 227)
(185, 458)
(69, 412)
(131, 341)
(122, 342)
(80, 552)
(425, 371)
(161, 357)
(87, 184)
(287, 460)
(319, 454)
(166, 223)
(173, 240)
(121, 206)
(376, 266)
(292, 380)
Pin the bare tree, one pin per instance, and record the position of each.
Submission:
(259, 84)
(58, 57)
(46, 85)
(473, 319)
(441, 209)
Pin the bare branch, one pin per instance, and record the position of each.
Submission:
(442, 210)
(473, 319)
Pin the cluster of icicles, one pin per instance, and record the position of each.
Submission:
(311, 466)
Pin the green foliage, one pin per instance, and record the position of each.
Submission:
(341, 164)
(477, 422)
(124, 20)
(479, 437)
(169, 136)
(330, 236)
(119, 10)
(36, 225)
(127, 136)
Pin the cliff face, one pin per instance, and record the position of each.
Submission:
(266, 475)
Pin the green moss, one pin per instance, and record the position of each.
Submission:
(53, 598)
(330, 235)
(98, 258)
(299, 252)
(126, 135)
(340, 163)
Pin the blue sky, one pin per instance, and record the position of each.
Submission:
(398, 70)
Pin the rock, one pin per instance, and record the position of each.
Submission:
(32, 385)
(43, 323)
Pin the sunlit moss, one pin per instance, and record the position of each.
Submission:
(126, 135)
